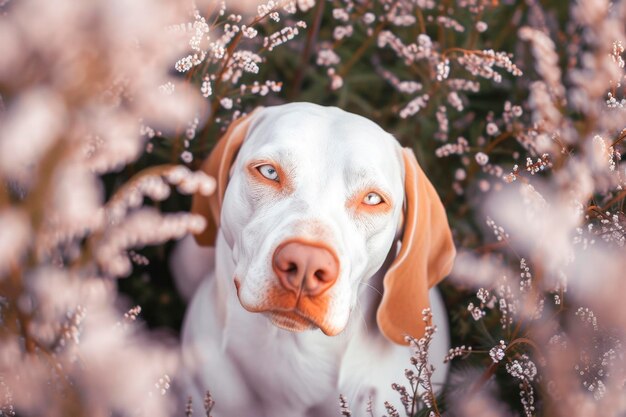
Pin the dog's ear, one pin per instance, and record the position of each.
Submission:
(425, 258)
(217, 165)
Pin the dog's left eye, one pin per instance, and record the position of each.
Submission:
(372, 199)
(268, 172)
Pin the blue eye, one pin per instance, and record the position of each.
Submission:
(372, 199)
(268, 172)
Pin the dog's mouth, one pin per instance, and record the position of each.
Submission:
(296, 321)
(290, 313)
(290, 320)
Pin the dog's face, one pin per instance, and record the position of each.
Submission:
(310, 201)
(311, 211)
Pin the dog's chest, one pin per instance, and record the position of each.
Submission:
(295, 368)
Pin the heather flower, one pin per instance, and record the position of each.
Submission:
(457, 352)
(498, 231)
(482, 64)
(481, 158)
(477, 313)
(414, 106)
(455, 101)
(345, 410)
(481, 26)
(448, 22)
(284, 35)
(497, 352)
(326, 57)
(459, 148)
(546, 59)
(492, 129)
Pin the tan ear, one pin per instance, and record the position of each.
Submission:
(425, 258)
(218, 166)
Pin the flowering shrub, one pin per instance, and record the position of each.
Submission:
(516, 111)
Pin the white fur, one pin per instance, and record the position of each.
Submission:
(254, 368)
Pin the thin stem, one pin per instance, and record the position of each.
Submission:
(483, 378)
(420, 20)
(468, 52)
(621, 137)
(5, 200)
(414, 399)
(490, 247)
(359, 52)
(434, 402)
(483, 327)
(474, 35)
(502, 137)
(614, 200)
(526, 341)
(306, 52)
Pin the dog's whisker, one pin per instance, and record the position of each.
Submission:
(360, 313)
(368, 285)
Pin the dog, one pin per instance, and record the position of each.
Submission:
(327, 236)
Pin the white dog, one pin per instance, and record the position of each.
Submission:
(310, 295)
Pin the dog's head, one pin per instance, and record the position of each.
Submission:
(311, 201)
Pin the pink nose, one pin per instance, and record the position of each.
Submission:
(302, 266)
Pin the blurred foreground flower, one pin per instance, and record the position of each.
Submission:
(77, 81)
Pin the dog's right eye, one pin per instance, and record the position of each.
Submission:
(373, 199)
(268, 172)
